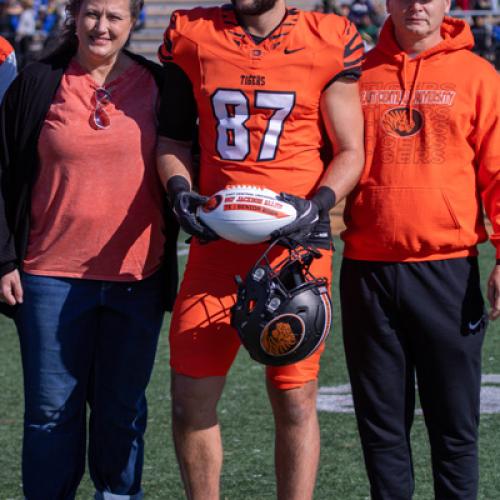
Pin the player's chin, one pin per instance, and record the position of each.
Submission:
(253, 7)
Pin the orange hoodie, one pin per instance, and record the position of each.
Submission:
(432, 152)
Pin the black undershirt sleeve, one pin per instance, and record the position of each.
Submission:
(178, 111)
(353, 74)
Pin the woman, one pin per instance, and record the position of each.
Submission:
(81, 250)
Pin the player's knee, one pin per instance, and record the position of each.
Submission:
(295, 408)
(193, 412)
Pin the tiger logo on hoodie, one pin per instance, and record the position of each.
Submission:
(402, 122)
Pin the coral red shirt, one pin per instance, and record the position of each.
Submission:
(97, 201)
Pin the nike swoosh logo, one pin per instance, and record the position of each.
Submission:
(473, 326)
(292, 51)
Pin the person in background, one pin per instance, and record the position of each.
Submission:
(495, 35)
(87, 251)
(8, 66)
(410, 287)
(13, 12)
(368, 31)
(483, 42)
(25, 31)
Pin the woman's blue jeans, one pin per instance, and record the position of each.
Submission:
(85, 341)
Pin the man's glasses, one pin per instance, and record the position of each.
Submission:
(100, 116)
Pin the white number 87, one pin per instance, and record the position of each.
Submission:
(231, 108)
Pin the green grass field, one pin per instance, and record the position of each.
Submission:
(247, 427)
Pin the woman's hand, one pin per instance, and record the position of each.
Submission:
(11, 290)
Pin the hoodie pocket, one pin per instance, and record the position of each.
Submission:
(406, 220)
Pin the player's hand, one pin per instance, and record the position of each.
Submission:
(494, 292)
(185, 207)
(303, 225)
(11, 290)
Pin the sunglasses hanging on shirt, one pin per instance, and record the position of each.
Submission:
(100, 116)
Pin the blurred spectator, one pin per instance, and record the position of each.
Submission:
(328, 6)
(368, 31)
(25, 32)
(8, 67)
(48, 18)
(495, 35)
(13, 13)
(141, 20)
(480, 5)
(3, 16)
(482, 37)
(360, 8)
(51, 22)
(345, 10)
(462, 4)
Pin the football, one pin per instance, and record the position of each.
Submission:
(246, 214)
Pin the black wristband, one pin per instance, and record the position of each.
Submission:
(175, 185)
(498, 262)
(325, 198)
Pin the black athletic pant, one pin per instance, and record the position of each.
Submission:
(426, 318)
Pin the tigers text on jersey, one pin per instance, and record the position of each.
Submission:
(259, 103)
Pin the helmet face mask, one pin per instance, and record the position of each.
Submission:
(283, 313)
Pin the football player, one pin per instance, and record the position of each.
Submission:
(266, 83)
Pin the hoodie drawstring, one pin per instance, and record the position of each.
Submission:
(404, 83)
(403, 79)
(413, 87)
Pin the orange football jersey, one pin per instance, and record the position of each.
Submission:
(259, 104)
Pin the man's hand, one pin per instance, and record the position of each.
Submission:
(185, 207)
(11, 290)
(307, 217)
(494, 292)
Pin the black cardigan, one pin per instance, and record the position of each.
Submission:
(22, 114)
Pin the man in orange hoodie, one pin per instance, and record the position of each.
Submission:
(411, 297)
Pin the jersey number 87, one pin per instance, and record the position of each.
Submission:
(232, 110)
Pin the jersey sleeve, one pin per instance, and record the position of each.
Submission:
(166, 49)
(354, 53)
(345, 41)
(179, 41)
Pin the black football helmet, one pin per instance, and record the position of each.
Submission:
(282, 313)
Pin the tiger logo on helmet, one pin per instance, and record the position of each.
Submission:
(282, 335)
(282, 313)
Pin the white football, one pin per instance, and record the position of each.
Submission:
(246, 214)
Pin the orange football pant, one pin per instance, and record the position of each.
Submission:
(202, 342)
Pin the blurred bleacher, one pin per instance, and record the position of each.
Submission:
(147, 40)
(483, 15)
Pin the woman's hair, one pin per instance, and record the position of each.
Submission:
(68, 41)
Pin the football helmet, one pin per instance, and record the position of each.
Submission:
(282, 313)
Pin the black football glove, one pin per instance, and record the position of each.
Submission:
(303, 225)
(185, 204)
(308, 213)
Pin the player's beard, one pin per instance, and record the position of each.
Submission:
(254, 7)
